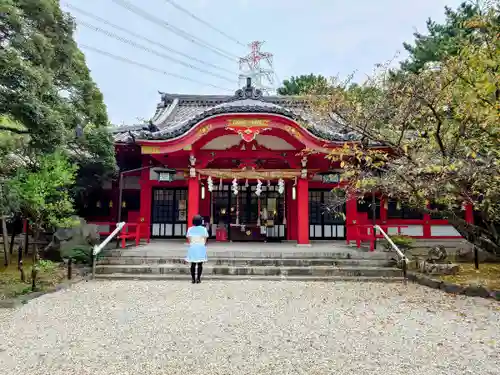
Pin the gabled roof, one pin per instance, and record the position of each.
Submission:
(177, 113)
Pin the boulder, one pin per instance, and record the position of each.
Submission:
(64, 241)
(437, 254)
(466, 254)
(431, 268)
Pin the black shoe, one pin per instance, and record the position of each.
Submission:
(192, 281)
(198, 281)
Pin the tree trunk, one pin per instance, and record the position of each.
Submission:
(20, 263)
(12, 240)
(34, 266)
(5, 236)
(26, 237)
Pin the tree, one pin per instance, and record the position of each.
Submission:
(442, 40)
(44, 194)
(303, 85)
(432, 136)
(46, 87)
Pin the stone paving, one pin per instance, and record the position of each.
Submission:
(250, 327)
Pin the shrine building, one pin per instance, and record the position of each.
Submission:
(238, 161)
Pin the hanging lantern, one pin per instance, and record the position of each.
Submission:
(220, 184)
(398, 206)
(110, 204)
(269, 183)
(281, 186)
(210, 184)
(258, 189)
(294, 192)
(202, 191)
(235, 186)
(246, 183)
(124, 204)
(98, 204)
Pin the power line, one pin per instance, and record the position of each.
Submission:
(132, 8)
(144, 48)
(147, 67)
(138, 36)
(174, 4)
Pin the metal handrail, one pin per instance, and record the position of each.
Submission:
(98, 248)
(404, 259)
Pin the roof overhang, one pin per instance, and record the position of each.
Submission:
(244, 124)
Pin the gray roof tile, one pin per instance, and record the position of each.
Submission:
(176, 114)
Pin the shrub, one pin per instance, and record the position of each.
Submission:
(403, 242)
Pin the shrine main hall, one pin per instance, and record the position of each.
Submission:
(239, 162)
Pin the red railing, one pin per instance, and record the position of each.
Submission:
(131, 231)
(360, 233)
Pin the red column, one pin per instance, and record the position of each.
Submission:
(351, 217)
(469, 213)
(146, 197)
(193, 199)
(302, 212)
(426, 230)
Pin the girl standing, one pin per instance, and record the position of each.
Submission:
(197, 252)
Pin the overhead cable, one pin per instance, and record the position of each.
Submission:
(152, 51)
(174, 4)
(136, 10)
(147, 67)
(138, 36)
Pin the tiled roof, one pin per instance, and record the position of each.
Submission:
(176, 114)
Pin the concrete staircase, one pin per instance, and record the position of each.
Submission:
(343, 264)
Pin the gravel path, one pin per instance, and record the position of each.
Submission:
(250, 327)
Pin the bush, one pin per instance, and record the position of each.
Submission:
(80, 254)
(403, 242)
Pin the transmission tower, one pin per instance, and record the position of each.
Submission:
(250, 67)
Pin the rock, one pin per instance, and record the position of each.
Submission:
(437, 254)
(495, 294)
(82, 236)
(476, 291)
(438, 268)
(452, 288)
(466, 254)
(427, 281)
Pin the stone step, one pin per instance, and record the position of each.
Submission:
(162, 269)
(252, 262)
(209, 277)
(180, 254)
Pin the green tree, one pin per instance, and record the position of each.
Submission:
(46, 87)
(44, 195)
(303, 85)
(432, 136)
(441, 40)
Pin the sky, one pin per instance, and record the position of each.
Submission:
(328, 37)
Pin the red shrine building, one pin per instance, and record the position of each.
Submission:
(238, 161)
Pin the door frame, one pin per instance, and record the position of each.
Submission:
(333, 226)
(164, 228)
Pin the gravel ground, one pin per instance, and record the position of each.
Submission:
(250, 327)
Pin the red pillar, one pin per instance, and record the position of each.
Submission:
(146, 197)
(193, 203)
(469, 213)
(351, 217)
(302, 212)
(427, 225)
